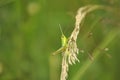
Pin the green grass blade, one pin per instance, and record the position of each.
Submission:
(96, 54)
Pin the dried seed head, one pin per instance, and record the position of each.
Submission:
(71, 50)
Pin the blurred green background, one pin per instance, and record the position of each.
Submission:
(29, 33)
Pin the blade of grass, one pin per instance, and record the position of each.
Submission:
(96, 54)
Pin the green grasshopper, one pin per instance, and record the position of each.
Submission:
(64, 41)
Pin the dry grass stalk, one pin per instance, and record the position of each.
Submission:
(71, 51)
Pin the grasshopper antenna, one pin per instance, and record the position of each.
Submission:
(60, 28)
